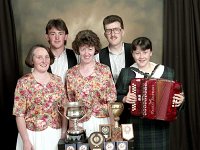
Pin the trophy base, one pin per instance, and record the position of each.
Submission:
(73, 131)
(76, 138)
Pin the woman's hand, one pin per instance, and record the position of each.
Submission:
(27, 145)
(178, 99)
(63, 135)
(130, 98)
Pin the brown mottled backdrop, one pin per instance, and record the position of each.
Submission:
(141, 18)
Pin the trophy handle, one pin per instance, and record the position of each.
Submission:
(59, 107)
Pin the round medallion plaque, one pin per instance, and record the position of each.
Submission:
(96, 140)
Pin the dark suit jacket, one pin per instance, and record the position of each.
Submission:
(71, 57)
(105, 59)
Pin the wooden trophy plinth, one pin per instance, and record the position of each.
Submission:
(116, 134)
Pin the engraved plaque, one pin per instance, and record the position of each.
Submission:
(122, 145)
(96, 141)
(127, 131)
(105, 129)
(82, 146)
(109, 146)
(116, 134)
(70, 146)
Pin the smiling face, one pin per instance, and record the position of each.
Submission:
(87, 53)
(142, 57)
(114, 33)
(56, 38)
(41, 60)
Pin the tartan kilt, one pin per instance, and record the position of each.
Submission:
(150, 134)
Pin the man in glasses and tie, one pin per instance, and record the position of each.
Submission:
(117, 54)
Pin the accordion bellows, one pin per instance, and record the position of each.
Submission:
(154, 98)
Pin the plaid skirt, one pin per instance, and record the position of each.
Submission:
(150, 134)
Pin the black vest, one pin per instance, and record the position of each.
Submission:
(105, 59)
(71, 58)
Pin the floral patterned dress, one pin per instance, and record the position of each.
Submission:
(38, 104)
(95, 91)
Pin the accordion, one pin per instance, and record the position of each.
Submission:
(154, 98)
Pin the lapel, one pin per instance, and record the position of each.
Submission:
(104, 57)
(71, 58)
(128, 56)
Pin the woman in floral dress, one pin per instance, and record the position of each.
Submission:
(37, 96)
(90, 82)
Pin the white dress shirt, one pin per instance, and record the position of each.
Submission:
(60, 66)
(117, 62)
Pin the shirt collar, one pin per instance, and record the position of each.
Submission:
(113, 53)
(62, 54)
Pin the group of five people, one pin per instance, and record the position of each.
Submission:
(89, 74)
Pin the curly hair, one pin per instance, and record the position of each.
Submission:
(86, 37)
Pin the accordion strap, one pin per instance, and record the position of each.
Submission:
(146, 75)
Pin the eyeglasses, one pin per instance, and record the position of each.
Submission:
(115, 30)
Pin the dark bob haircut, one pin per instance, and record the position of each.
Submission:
(29, 57)
(86, 37)
(143, 42)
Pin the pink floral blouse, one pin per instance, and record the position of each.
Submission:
(38, 103)
(95, 91)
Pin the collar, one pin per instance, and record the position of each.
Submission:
(118, 53)
(62, 54)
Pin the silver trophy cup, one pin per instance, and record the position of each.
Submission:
(74, 113)
(75, 133)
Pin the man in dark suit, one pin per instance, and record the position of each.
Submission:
(57, 34)
(117, 54)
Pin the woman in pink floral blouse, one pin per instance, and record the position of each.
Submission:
(90, 82)
(37, 96)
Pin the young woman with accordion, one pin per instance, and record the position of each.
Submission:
(151, 96)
